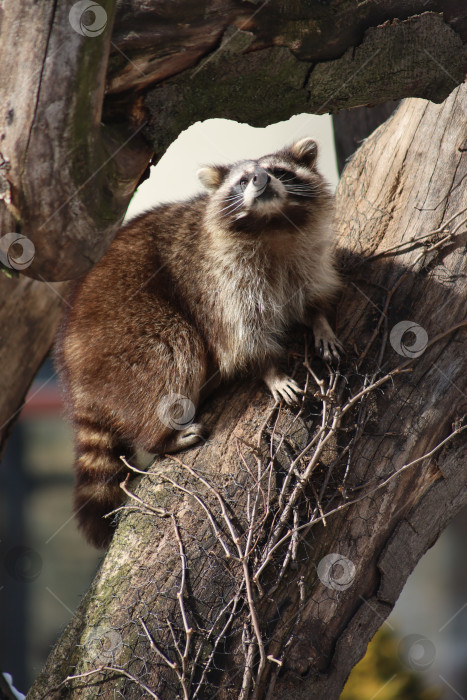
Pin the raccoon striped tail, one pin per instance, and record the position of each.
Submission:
(99, 472)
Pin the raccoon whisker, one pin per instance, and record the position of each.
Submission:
(233, 211)
(232, 201)
(239, 199)
(296, 184)
(228, 213)
(232, 204)
(300, 191)
(239, 206)
(233, 196)
(299, 186)
(235, 199)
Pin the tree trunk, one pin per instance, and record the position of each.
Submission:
(260, 565)
(352, 126)
(56, 151)
(30, 312)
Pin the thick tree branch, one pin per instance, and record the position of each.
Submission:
(150, 46)
(66, 176)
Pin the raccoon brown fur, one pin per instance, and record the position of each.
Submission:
(189, 294)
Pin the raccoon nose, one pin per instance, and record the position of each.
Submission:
(260, 178)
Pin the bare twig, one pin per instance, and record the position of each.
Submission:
(206, 509)
(349, 503)
(100, 669)
(219, 637)
(157, 511)
(180, 595)
(155, 648)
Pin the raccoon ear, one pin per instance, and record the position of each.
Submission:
(305, 150)
(211, 176)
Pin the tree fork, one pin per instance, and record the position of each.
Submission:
(381, 472)
(97, 104)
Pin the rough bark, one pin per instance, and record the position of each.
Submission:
(337, 35)
(80, 125)
(30, 312)
(66, 177)
(401, 225)
(352, 126)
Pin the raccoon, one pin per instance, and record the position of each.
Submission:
(190, 294)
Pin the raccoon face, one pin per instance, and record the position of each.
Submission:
(269, 187)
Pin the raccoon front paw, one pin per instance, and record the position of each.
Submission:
(327, 345)
(330, 349)
(282, 387)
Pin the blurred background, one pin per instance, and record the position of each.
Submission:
(46, 566)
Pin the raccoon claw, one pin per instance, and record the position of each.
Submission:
(327, 345)
(329, 349)
(283, 387)
(287, 389)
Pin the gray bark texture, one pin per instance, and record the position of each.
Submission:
(352, 126)
(261, 564)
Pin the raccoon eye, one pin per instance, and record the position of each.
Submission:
(281, 173)
(243, 182)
